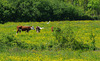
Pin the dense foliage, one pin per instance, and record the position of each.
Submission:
(44, 10)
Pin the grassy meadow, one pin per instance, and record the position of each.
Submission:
(33, 46)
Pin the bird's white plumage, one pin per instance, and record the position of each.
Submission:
(48, 22)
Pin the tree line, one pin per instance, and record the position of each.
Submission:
(48, 10)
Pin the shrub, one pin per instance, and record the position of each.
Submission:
(92, 37)
(8, 40)
(66, 39)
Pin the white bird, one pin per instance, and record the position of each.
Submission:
(48, 22)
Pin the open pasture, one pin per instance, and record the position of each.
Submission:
(35, 44)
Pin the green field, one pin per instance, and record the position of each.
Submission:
(33, 46)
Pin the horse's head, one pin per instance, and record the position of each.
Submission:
(32, 28)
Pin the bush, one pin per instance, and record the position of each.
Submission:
(66, 39)
(92, 37)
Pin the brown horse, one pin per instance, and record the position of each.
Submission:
(24, 28)
(52, 28)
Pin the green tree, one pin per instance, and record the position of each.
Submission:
(45, 9)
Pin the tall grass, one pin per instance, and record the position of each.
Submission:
(66, 43)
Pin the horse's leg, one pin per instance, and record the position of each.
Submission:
(27, 30)
(17, 31)
(20, 31)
